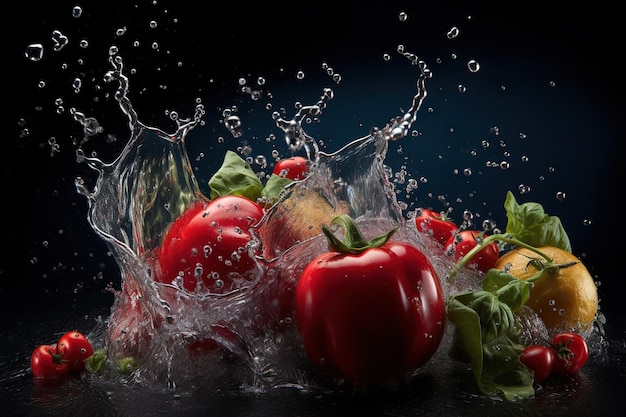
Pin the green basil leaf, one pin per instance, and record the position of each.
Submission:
(503, 373)
(490, 345)
(274, 188)
(235, 177)
(530, 224)
(511, 291)
(467, 345)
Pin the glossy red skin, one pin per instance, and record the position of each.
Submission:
(570, 353)
(464, 241)
(373, 318)
(219, 227)
(75, 348)
(46, 362)
(538, 359)
(431, 222)
(295, 168)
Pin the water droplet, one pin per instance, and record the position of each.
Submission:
(77, 11)
(34, 51)
(59, 39)
(473, 65)
(77, 84)
(233, 124)
(453, 32)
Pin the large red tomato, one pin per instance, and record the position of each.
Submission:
(207, 247)
(373, 317)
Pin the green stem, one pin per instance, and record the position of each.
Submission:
(354, 242)
(486, 242)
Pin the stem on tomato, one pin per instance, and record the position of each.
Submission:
(486, 242)
(354, 242)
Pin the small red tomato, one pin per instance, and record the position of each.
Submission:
(538, 359)
(208, 242)
(74, 348)
(464, 241)
(47, 362)
(434, 224)
(295, 168)
(570, 353)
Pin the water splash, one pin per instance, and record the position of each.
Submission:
(151, 183)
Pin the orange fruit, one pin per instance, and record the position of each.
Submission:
(565, 298)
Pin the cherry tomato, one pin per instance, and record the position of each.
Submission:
(432, 223)
(370, 318)
(538, 359)
(47, 362)
(295, 168)
(570, 353)
(75, 348)
(208, 243)
(462, 242)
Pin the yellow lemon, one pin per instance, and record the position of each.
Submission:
(566, 298)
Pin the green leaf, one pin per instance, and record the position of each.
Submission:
(274, 188)
(468, 344)
(511, 291)
(127, 365)
(503, 373)
(235, 177)
(530, 224)
(486, 338)
(95, 362)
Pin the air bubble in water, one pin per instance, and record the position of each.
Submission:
(560, 195)
(403, 16)
(34, 51)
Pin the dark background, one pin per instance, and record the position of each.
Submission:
(52, 257)
(54, 269)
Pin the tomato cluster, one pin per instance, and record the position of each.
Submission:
(64, 357)
(565, 355)
(455, 241)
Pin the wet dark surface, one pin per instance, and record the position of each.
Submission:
(442, 388)
(53, 268)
